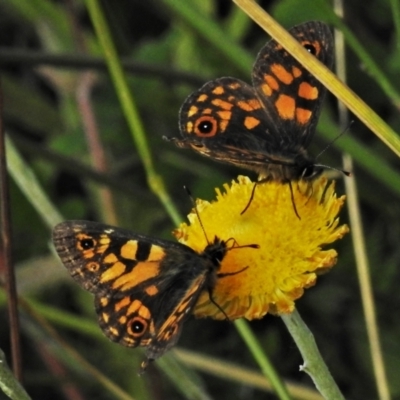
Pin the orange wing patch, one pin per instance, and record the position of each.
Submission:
(189, 127)
(222, 104)
(192, 111)
(266, 89)
(151, 290)
(105, 317)
(130, 251)
(113, 272)
(219, 90)
(104, 301)
(249, 105)
(134, 307)
(296, 72)
(122, 303)
(282, 74)
(226, 115)
(140, 273)
(306, 91)
(110, 259)
(271, 82)
(202, 97)
(234, 86)
(225, 118)
(303, 115)
(285, 106)
(251, 122)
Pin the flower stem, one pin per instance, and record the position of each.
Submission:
(262, 360)
(313, 365)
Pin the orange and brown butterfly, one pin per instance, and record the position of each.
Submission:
(266, 127)
(144, 288)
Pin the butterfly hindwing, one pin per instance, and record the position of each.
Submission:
(292, 97)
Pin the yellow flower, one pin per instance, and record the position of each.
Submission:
(290, 250)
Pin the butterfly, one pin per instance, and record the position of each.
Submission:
(266, 127)
(144, 288)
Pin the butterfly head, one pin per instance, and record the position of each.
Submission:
(216, 251)
(306, 169)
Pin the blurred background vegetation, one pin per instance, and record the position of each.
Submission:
(53, 78)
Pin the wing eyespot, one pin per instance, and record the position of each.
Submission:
(137, 327)
(206, 126)
(312, 48)
(87, 243)
(93, 266)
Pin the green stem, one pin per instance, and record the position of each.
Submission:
(395, 7)
(26, 180)
(313, 365)
(129, 107)
(8, 384)
(266, 367)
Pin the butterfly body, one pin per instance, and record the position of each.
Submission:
(144, 288)
(267, 126)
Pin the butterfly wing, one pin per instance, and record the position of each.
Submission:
(292, 97)
(144, 288)
(224, 120)
(266, 126)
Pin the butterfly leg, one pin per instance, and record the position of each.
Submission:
(210, 291)
(292, 197)
(210, 295)
(251, 198)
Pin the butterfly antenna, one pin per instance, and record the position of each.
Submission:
(334, 140)
(196, 211)
(344, 172)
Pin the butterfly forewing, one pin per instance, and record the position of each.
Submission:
(144, 288)
(215, 111)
